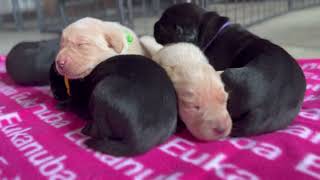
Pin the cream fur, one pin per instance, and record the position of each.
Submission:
(89, 41)
(201, 95)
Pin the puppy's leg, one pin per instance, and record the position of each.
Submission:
(248, 91)
(260, 120)
(113, 129)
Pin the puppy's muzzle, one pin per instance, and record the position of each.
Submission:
(62, 61)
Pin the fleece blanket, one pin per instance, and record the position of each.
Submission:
(37, 141)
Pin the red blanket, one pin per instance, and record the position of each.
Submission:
(41, 142)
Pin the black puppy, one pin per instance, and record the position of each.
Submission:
(131, 100)
(266, 85)
(28, 63)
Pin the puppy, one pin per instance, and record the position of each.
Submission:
(201, 96)
(89, 41)
(28, 63)
(131, 100)
(266, 85)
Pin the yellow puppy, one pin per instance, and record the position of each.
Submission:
(89, 41)
(201, 95)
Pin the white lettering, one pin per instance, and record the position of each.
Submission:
(298, 130)
(135, 166)
(64, 175)
(242, 143)
(22, 99)
(316, 138)
(1, 110)
(53, 166)
(3, 161)
(310, 66)
(182, 149)
(129, 167)
(9, 119)
(176, 144)
(174, 176)
(144, 174)
(268, 151)
(313, 87)
(265, 150)
(7, 90)
(227, 170)
(40, 157)
(77, 137)
(107, 159)
(311, 98)
(196, 161)
(313, 76)
(310, 165)
(51, 118)
(312, 114)
(35, 153)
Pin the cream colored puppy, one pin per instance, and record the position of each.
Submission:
(201, 95)
(89, 41)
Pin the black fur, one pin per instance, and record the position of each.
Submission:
(131, 100)
(266, 85)
(28, 63)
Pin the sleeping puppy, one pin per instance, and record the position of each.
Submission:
(131, 100)
(201, 96)
(89, 41)
(28, 63)
(266, 84)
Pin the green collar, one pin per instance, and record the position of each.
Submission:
(129, 37)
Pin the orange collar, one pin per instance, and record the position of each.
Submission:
(67, 84)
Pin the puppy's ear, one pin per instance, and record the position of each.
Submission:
(210, 24)
(114, 36)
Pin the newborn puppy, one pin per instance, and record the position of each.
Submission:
(201, 96)
(89, 41)
(266, 85)
(131, 100)
(28, 63)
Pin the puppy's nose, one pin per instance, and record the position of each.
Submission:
(223, 128)
(219, 130)
(61, 63)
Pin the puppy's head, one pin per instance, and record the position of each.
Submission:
(201, 93)
(187, 22)
(86, 43)
(203, 105)
(179, 23)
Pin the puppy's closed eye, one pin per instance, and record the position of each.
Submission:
(82, 45)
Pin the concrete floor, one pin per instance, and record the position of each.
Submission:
(298, 32)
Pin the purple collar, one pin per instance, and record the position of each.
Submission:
(225, 25)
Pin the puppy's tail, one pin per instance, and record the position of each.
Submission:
(150, 44)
